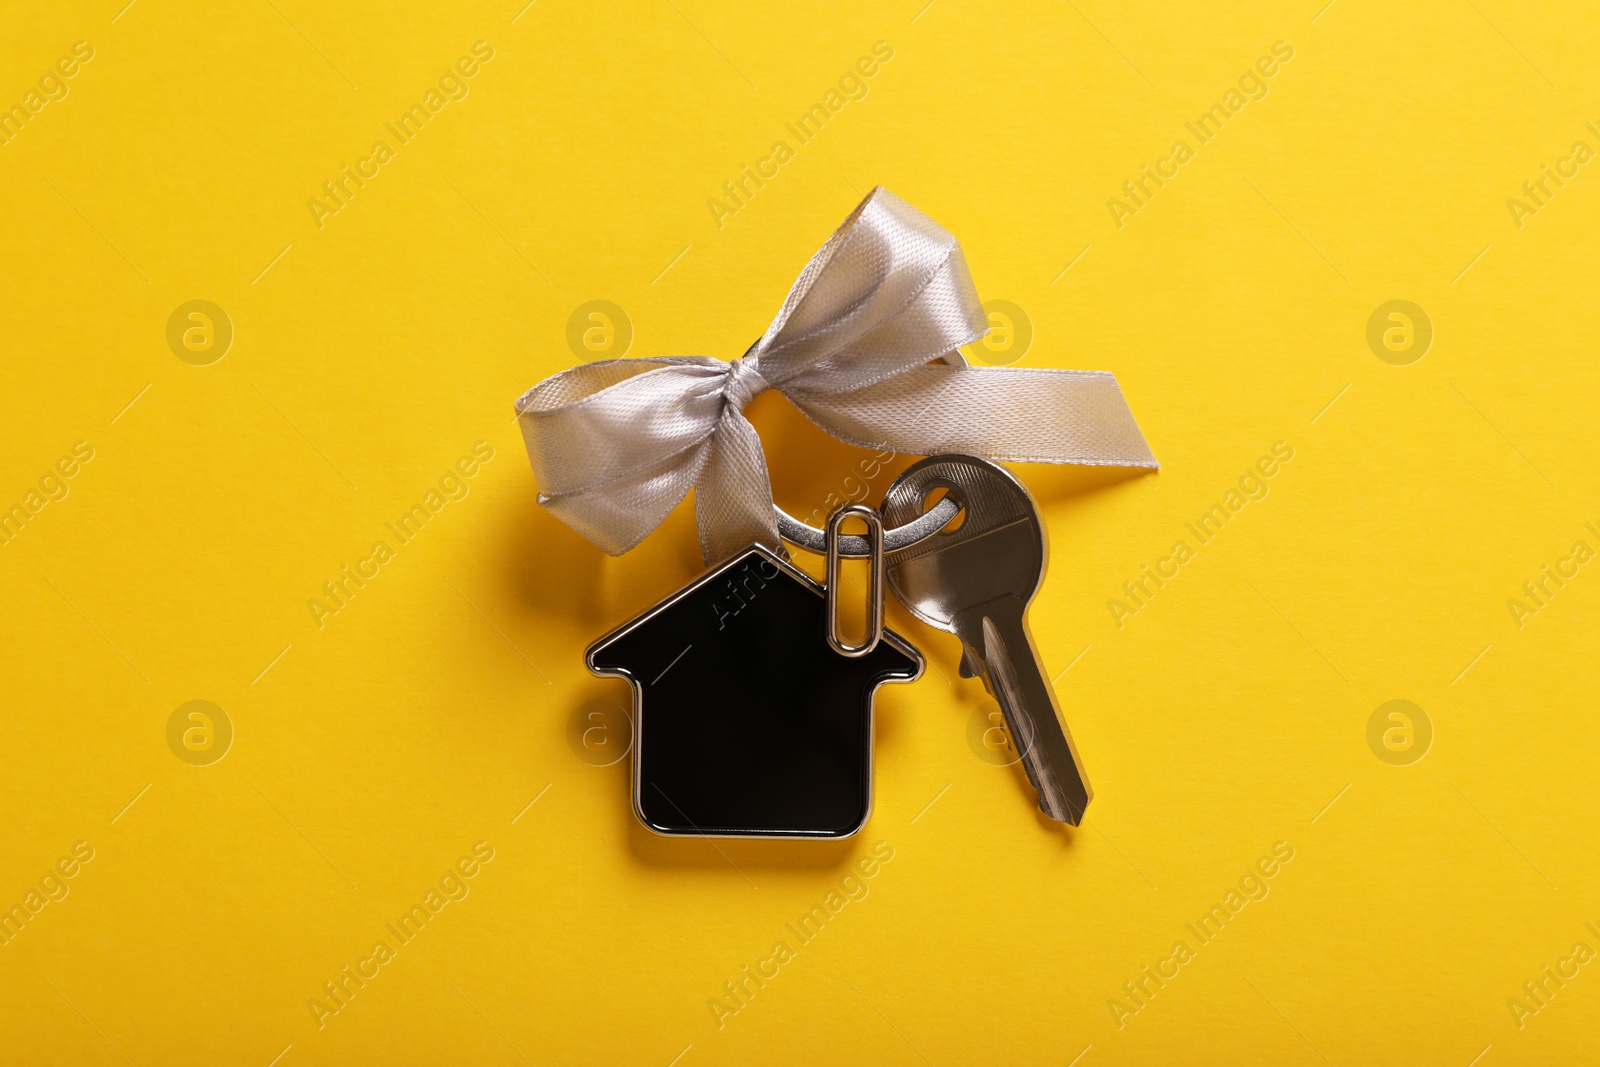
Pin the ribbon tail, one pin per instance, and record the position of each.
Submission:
(733, 497)
(1021, 414)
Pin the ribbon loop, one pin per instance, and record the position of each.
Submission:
(617, 444)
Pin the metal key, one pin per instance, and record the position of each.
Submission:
(975, 580)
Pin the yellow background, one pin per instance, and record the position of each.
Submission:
(370, 354)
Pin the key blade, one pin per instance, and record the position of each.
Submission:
(1028, 704)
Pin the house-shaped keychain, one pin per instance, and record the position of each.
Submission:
(746, 722)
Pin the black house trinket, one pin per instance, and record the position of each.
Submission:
(746, 722)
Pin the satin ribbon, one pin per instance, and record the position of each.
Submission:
(617, 444)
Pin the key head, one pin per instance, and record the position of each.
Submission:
(997, 550)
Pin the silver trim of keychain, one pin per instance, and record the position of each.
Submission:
(856, 546)
(874, 539)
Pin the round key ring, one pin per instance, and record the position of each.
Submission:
(858, 546)
(855, 546)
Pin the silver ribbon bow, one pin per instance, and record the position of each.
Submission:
(617, 444)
